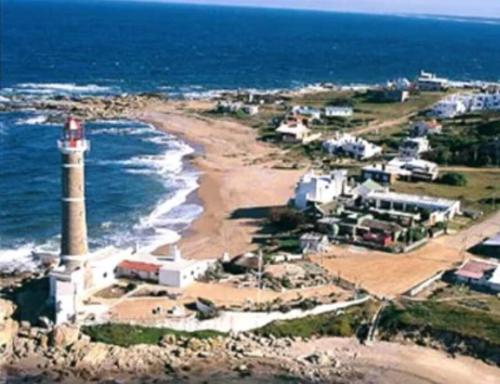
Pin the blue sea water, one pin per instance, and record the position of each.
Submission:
(136, 182)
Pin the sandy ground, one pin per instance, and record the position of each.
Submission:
(385, 274)
(135, 308)
(237, 186)
(389, 363)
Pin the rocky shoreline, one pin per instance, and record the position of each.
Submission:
(85, 108)
(65, 353)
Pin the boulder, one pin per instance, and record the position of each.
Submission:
(64, 335)
(168, 339)
(8, 327)
(194, 344)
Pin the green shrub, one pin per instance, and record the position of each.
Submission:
(126, 335)
(286, 218)
(455, 179)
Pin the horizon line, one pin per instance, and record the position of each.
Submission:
(450, 16)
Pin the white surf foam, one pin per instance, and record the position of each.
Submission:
(19, 259)
(71, 88)
(33, 120)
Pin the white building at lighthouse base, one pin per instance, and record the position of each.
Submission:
(70, 288)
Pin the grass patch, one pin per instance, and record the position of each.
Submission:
(126, 335)
(441, 316)
(327, 324)
(482, 185)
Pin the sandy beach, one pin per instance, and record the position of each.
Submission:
(237, 185)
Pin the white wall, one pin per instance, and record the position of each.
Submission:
(231, 321)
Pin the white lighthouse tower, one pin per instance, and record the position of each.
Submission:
(71, 278)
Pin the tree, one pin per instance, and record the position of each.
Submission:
(286, 218)
(454, 178)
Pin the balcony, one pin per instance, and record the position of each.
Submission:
(73, 146)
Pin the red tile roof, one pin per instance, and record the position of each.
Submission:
(474, 269)
(139, 266)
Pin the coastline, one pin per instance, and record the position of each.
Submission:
(231, 162)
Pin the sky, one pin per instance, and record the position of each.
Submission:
(470, 8)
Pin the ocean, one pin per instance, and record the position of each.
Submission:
(137, 182)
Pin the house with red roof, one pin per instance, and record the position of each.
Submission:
(138, 270)
(479, 273)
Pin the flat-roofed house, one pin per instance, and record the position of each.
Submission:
(320, 189)
(448, 108)
(338, 111)
(383, 173)
(176, 271)
(419, 169)
(424, 128)
(439, 209)
(310, 112)
(352, 146)
(430, 82)
(413, 147)
(294, 131)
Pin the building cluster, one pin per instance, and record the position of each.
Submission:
(226, 106)
(317, 114)
(295, 126)
(368, 213)
(460, 104)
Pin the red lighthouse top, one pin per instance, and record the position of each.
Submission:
(73, 136)
(73, 130)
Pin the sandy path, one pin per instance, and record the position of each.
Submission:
(237, 186)
(383, 124)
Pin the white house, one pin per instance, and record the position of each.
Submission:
(401, 84)
(419, 169)
(251, 110)
(352, 146)
(424, 128)
(412, 147)
(140, 270)
(440, 209)
(320, 189)
(430, 82)
(450, 107)
(485, 101)
(312, 113)
(226, 106)
(295, 131)
(334, 111)
(171, 270)
(178, 272)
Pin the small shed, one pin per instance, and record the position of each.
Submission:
(314, 243)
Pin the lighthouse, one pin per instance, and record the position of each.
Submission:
(73, 146)
(70, 280)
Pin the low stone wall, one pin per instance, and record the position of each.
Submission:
(424, 284)
(232, 321)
